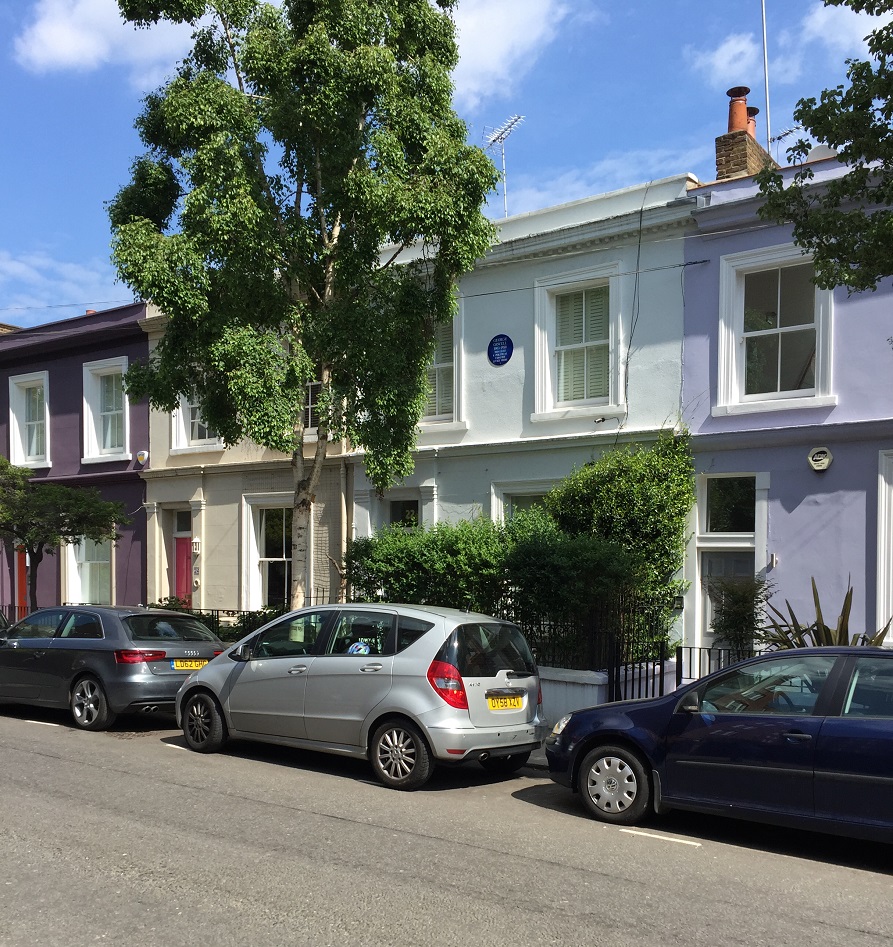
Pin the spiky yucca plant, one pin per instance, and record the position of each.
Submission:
(781, 633)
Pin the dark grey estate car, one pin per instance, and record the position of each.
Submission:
(102, 661)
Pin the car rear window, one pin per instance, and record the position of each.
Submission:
(167, 628)
(483, 649)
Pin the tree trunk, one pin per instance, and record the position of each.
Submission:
(306, 478)
(34, 559)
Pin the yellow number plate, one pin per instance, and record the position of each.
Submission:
(188, 664)
(505, 703)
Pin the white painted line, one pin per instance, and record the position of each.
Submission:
(43, 723)
(663, 838)
(174, 746)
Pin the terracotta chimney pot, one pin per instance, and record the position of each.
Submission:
(738, 108)
(752, 112)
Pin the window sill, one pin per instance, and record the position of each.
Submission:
(442, 427)
(210, 447)
(106, 458)
(782, 404)
(32, 464)
(584, 412)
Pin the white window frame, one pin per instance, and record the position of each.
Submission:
(730, 398)
(501, 492)
(181, 429)
(93, 374)
(19, 385)
(440, 417)
(696, 618)
(885, 543)
(547, 406)
(252, 504)
(74, 579)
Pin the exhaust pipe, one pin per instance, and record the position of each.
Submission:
(151, 709)
(484, 756)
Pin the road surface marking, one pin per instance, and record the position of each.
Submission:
(44, 723)
(663, 838)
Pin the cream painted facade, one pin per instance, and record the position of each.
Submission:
(206, 505)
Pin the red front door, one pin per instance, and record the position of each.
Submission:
(183, 568)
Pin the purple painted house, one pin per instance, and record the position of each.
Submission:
(65, 415)
(788, 393)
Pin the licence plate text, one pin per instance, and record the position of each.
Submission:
(188, 664)
(505, 703)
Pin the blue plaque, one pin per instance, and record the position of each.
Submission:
(500, 349)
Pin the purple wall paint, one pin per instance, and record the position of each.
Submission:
(820, 524)
(61, 349)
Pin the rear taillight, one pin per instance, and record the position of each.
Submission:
(137, 657)
(539, 696)
(447, 681)
(217, 652)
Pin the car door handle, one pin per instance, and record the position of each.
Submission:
(795, 736)
(298, 669)
(371, 667)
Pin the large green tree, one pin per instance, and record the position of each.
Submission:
(847, 222)
(306, 204)
(39, 517)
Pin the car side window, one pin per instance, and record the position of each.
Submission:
(409, 630)
(39, 625)
(778, 685)
(291, 636)
(79, 625)
(870, 692)
(359, 632)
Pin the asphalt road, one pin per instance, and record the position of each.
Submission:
(127, 838)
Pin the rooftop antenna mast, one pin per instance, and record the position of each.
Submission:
(498, 137)
(766, 80)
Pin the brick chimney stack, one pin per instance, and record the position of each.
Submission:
(738, 153)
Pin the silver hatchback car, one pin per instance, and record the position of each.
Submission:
(404, 686)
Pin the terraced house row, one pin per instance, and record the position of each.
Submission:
(588, 325)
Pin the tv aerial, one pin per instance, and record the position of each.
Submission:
(498, 137)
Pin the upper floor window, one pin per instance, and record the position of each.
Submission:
(581, 344)
(29, 432)
(190, 431)
(578, 372)
(775, 325)
(311, 406)
(106, 426)
(440, 376)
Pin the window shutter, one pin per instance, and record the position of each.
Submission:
(597, 314)
(569, 317)
(597, 371)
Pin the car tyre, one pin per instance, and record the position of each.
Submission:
(89, 705)
(203, 726)
(614, 785)
(505, 765)
(400, 756)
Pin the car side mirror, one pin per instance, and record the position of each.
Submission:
(690, 703)
(242, 653)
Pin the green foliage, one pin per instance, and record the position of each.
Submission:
(786, 631)
(528, 564)
(739, 609)
(306, 205)
(638, 499)
(845, 223)
(40, 516)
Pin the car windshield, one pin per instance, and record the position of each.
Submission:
(167, 628)
(483, 649)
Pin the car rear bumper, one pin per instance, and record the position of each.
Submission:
(148, 693)
(452, 744)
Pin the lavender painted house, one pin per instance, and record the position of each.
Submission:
(788, 393)
(64, 414)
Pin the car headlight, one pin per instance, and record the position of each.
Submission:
(565, 720)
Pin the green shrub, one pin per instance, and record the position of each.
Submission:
(739, 609)
(638, 499)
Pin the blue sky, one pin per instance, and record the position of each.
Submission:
(612, 94)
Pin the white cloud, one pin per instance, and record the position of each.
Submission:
(841, 30)
(87, 34)
(738, 55)
(36, 287)
(615, 171)
(499, 41)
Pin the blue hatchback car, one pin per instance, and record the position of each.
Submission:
(802, 738)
